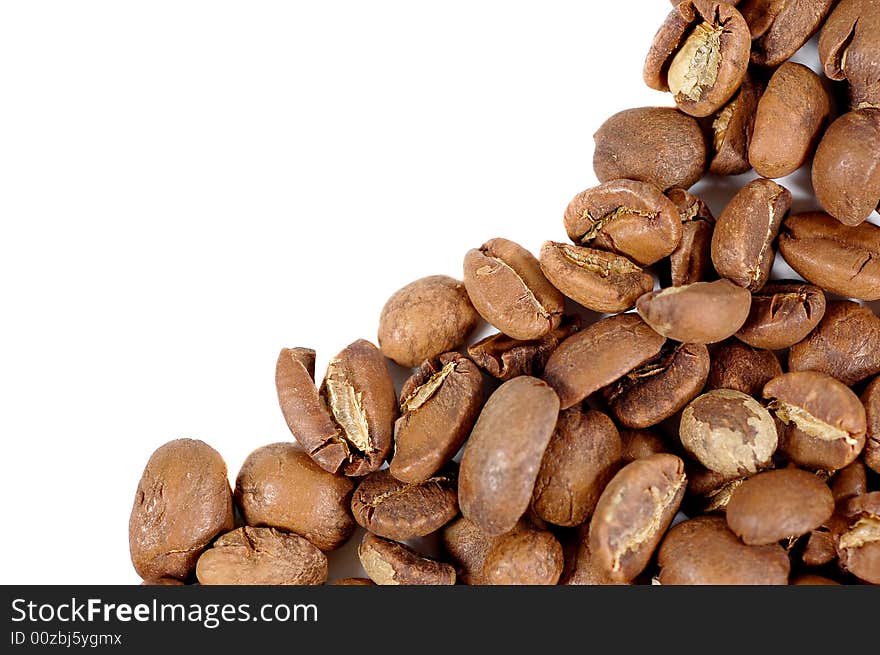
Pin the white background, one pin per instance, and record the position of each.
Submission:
(186, 187)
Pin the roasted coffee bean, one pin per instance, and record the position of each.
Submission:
(728, 432)
(397, 510)
(600, 354)
(261, 556)
(871, 400)
(742, 243)
(712, 500)
(846, 177)
(347, 426)
(740, 367)
(524, 557)
(582, 456)
(691, 261)
(633, 513)
(426, 318)
(183, 501)
(779, 29)
(506, 358)
(467, 547)
(638, 444)
(839, 258)
(703, 551)
(660, 387)
(848, 49)
(700, 55)
(439, 405)
(508, 289)
(845, 345)
(824, 421)
(354, 582)
(702, 312)
(162, 582)
(812, 580)
(390, 563)
(732, 130)
(776, 505)
(850, 481)
(819, 549)
(790, 118)
(280, 486)
(598, 280)
(858, 545)
(659, 145)
(626, 217)
(782, 314)
(580, 569)
(503, 455)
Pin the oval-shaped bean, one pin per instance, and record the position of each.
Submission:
(858, 545)
(871, 401)
(848, 49)
(741, 367)
(779, 29)
(782, 314)
(390, 563)
(524, 557)
(691, 261)
(732, 130)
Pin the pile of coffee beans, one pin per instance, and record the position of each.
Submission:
(727, 431)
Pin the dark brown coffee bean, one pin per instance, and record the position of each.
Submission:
(503, 455)
(626, 217)
(660, 387)
(819, 549)
(659, 145)
(183, 501)
(871, 400)
(426, 318)
(638, 444)
(728, 432)
(782, 314)
(467, 547)
(740, 367)
(598, 280)
(702, 312)
(390, 563)
(742, 243)
(354, 582)
(779, 29)
(347, 426)
(598, 355)
(775, 505)
(841, 259)
(508, 289)
(524, 557)
(506, 358)
(858, 545)
(700, 55)
(396, 510)
(812, 580)
(846, 177)
(691, 261)
(633, 513)
(824, 421)
(850, 481)
(732, 130)
(280, 486)
(439, 405)
(703, 551)
(845, 345)
(582, 456)
(848, 50)
(261, 556)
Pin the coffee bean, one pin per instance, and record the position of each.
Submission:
(467, 547)
(703, 551)
(732, 130)
(742, 243)
(508, 289)
(506, 358)
(812, 580)
(740, 367)
(626, 217)
(660, 387)
(691, 261)
(782, 314)
(580, 568)
(713, 500)
(775, 505)
(162, 582)
(819, 549)
(841, 259)
(846, 177)
(848, 49)
(728, 432)
(659, 145)
(524, 557)
(700, 55)
(582, 456)
(779, 29)
(280, 486)
(354, 582)
(183, 501)
(633, 513)
(871, 400)
(425, 319)
(439, 405)
(598, 355)
(598, 280)
(850, 481)
(347, 426)
(390, 563)
(858, 545)
(261, 556)
(702, 312)
(824, 421)
(638, 444)
(845, 345)
(397, 510)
